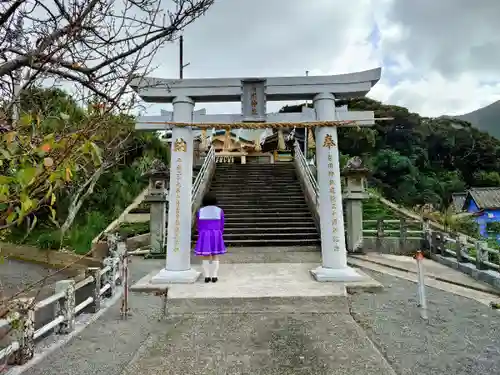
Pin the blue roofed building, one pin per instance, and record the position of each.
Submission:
(484, 203)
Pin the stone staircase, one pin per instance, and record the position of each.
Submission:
(264, 206)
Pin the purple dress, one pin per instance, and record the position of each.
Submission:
(210, 230)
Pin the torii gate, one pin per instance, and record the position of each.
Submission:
(253, 93)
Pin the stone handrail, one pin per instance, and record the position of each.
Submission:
(414, 216)
(478, 253)
(474, 259)
(203, 179)
(306, 175)
(22, 319)
(138, 200)
(308, 182)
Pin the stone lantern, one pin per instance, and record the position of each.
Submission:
(354, 175)
(158, 198)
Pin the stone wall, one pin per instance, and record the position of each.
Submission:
(391, 245)
(46, 258)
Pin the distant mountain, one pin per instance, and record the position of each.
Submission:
(486, 119)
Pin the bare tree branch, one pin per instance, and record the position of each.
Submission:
(95, 44)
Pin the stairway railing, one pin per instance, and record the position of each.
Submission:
(203, 178)
(307, 176)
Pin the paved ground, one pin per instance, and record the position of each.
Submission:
(258, 280)
(289, 336)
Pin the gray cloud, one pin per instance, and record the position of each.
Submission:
(283, 38)
(450, 36)
(246, 38)
(263, 37)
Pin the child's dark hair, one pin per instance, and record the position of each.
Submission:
(209, 200)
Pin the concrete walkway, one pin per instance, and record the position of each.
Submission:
(368, 333)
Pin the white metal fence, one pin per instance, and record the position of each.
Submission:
(21, 319)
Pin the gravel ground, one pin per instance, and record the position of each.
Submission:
(15, 275)
(461, 337)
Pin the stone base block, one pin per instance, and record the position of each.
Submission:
(175, 277)
(346, 274)
(155, 255)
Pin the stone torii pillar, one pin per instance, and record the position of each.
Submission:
(178, 264)
(333, 245)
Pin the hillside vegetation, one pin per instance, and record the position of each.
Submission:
(68, 171)
(486, 119)
(418, 160)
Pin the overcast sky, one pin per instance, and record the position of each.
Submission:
(437, 56)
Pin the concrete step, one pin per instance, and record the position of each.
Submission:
(293, 254)
(270, 229)
(224, 201)
(295, 222)
(265, 208)
(265, 182)
(255, 176)
(257, 167)
(249, 189)
(275, 249)
(275, 171)
(244, 177)
(272, 242)
(263, 195)
(240, 174)
(289, 218)
(276, 204)
(264, 236)
(262, 185)
(267, 212)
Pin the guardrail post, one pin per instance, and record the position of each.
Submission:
(95, 272)
(380, 234)
(427, 234)
(433, 242)
(109, 277)
(481, 255)
(66, 305)
(459, 247)
(24, 329)
(122, 253)
(403, 232)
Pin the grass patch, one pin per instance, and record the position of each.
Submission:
(133, 229)
(78, 238)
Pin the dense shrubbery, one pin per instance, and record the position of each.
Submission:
(84, 168)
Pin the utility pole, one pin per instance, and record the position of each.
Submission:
(18, 74)
(306, 130)
(181, 57)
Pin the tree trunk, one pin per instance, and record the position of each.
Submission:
(77, 201)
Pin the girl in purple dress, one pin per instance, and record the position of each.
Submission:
(210, 244)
